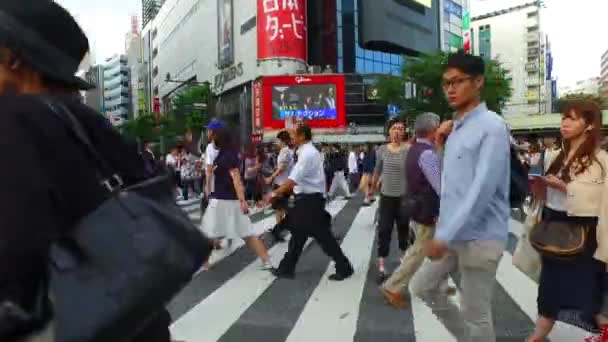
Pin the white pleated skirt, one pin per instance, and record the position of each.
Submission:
(224, 219)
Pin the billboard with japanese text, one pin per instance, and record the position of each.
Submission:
(282, 29)
(316, 99)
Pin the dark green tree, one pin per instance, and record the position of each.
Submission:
(422, 76)
(190, 113)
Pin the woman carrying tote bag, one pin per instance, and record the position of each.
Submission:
(572, 236)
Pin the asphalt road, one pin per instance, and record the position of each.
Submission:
(236, 301)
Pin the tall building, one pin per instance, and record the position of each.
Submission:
(604, 76)
(94, 97)
(455, 18)
(589, 86)
(149, 10)
(116, 101)
(515, 38)
(327, 51)
(134, 49)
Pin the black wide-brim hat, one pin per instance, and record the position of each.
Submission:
(46, 37)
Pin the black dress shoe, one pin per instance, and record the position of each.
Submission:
(381, 278)
(277, 236)
(341, 276)
(282, 274)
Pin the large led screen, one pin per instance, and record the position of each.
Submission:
(316, 99)
(310, 101)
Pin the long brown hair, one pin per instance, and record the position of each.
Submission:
(584, 156)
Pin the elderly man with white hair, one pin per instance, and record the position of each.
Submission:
(423, 174)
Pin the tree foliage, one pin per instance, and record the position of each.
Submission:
(581, 96)
(423, 75)
(189, 115)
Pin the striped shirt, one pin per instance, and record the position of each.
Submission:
(391, 167)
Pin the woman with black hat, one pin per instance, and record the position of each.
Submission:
(48, 181)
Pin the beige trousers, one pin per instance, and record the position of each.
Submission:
(476, 263)
(413, 258)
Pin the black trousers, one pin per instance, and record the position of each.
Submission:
(391, 215)
(157, 330)
(308, 219)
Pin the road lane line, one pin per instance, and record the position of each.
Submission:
(212, 317)
(332, 311)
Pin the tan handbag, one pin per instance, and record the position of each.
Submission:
(559, 239)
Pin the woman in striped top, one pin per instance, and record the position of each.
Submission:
(390, 167)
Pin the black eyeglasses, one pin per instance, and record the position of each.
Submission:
(446, 84)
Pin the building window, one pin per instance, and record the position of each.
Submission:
(359, 68)
(533, 14)
(155, 71)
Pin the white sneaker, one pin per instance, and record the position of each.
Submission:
(266, 266)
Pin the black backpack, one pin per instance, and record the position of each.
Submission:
(520, 187)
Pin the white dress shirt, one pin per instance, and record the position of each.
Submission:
(285, 157)
(211, 153)
(308, 172)
(352, 162)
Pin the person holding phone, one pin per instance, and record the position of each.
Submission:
(227, 213)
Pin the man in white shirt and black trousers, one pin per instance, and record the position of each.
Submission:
(309, 218)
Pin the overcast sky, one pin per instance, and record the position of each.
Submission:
(576, 29)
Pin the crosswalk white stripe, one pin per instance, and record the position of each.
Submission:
(220, 310)
(332, 311)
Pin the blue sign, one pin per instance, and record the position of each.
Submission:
(392, 111)
(453, 8)
(310, 114)
(549, 66)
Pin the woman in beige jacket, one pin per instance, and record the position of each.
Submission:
(575, 190)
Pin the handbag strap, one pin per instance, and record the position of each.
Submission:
(108, 178)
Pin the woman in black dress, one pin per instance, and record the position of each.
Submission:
(571, 289)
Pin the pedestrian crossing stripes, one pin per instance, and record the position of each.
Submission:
(236, 301)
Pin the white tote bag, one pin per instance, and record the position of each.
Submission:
(526, 258)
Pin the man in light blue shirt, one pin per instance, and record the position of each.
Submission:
(473, 224)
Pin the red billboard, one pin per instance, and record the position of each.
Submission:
(316, 99)
(282, 29)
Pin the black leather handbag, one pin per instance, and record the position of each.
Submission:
(18, 320)
(124, 261)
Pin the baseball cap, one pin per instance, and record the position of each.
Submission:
(216, 124)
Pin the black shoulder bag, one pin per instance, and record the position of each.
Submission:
(124, 261)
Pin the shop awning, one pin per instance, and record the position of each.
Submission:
(341, 138)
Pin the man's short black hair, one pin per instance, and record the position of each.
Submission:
(305, 131)
(284, 137)
(467, 63)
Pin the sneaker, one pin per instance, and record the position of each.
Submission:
(592, 338)
(394, 299)
(267, 266)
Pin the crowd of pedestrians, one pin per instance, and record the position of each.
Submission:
(452, 185)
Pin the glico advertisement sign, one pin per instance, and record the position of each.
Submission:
(282, 29)
(316, 99)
